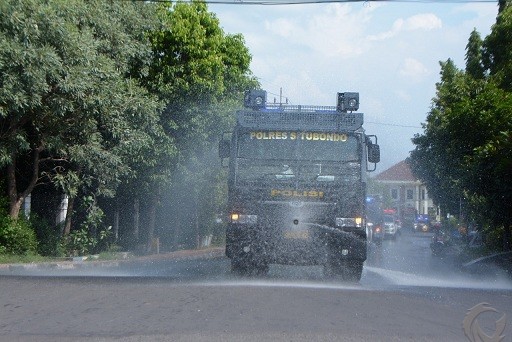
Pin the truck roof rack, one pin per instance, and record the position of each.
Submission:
(300, 120)
(276, 107)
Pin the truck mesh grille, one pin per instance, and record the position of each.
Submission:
(300, 120)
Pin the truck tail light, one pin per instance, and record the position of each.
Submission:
(243, 219)
(356, 222)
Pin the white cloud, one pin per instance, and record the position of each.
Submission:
(403, 95)
(480, 12)
(388, 52)
(335, 30)
(423, 22)
(301, 85)
(413, 69)
(281, 27)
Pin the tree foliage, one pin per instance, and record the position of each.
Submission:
(474, 65)
(465, 153)
(199, 73)
(196, 69)
(67, 98)
(115, 99)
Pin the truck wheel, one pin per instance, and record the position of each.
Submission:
(247, 266)
(347, 270)
(353, 271)
(238, 266)
(261, 269)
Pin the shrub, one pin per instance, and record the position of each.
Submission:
(79, 242)
(49, 237)
(82, 242)
(17, 236)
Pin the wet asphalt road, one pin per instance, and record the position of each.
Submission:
(404, 294)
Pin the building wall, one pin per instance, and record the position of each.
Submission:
(405, 196)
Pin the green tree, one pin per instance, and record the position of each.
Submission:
(437, 157)
(465, 150)
(474, 66)
(489, 166)
(70, 110)
(497, 56)
(200, 73)
(502, 5)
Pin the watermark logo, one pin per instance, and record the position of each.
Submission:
(472, 328)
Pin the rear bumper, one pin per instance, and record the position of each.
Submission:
(390, 230)
(378, 236)
(311, 246)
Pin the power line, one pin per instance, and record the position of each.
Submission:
(305, 2)
(390, 124)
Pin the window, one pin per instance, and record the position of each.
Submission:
(394, 194)
(423, 194)
(288, 145)
(410, 194)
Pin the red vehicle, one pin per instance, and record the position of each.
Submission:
(374, 219)
(391, 223)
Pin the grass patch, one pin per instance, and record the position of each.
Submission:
(113, 256)
(22, 259)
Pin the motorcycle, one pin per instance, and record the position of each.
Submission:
(421, 227)
(439, 244)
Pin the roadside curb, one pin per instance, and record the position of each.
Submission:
(78, 263)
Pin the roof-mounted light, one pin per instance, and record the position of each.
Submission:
(347, 102)
(255, 99)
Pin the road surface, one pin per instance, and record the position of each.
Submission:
(404, 295)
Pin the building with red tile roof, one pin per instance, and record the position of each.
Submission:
(400, 172)
(407, 195)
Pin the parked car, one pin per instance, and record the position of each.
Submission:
(390, 226)
(422, 223)
(374, 219)
(375, 231)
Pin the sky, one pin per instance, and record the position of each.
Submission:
(389, 52)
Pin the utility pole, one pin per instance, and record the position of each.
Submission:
(281, 97)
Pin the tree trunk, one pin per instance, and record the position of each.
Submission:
(136, 219)
(196, 217)
(152, 221)
(116, 221)
(16, 199)
(27, 206)
(14, 203)
(15, 208)
(69, 215)
(62, 212)
(177, 233)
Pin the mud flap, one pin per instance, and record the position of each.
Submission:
(346, 255)
(247, 265)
